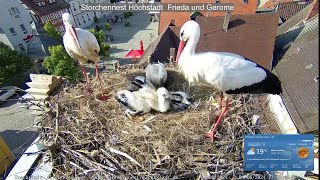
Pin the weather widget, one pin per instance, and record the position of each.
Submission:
(267, 152)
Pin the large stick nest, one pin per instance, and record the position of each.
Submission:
(90, 138)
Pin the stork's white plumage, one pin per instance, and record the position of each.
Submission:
(228, 72)
(157, 74)
(145, 99)
(81, 45)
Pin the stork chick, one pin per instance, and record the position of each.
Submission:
(157, 74)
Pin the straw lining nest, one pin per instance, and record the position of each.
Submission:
(90, 138)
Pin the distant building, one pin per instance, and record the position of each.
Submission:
(15, 25)
(285, 8)
(297, 53)
(44, 11)
(179, 18)
(84, 19)
(259, 27)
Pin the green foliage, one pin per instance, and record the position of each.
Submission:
(130, 13)
(52, 32)
(108, 26)
(61, 64)
(95, 19)
(98, 34)
(126, 15)
(12, 63)
(127, 24)
(104, 48)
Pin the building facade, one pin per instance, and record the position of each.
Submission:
(84, 19)
(15, 25)
(43, 11)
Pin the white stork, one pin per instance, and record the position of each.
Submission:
(180, 100)
(228, 72)
(157, 74)
(145, 99)
(83, 46)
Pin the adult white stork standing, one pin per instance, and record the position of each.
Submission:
(157, 74)
(228, 72)
(83, 46)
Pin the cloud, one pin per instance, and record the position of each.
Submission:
(251, 152)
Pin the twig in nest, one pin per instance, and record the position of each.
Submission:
(150, 119)
(57, 123)
(125, 155)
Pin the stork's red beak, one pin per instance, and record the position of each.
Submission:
(180, 49)
(74, 35)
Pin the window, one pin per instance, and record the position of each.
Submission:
(13, 32)
(88, 17)
(14, 12)
(217, 2)
(23, 28)
(21, 47)
(246, 1)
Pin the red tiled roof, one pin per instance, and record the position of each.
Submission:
(181, 17)
(252, 36)
(273, 3)
(305, 14)
(288, 9)
(47, 8)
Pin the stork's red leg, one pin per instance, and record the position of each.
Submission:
(103, 96)
(211, 133)
(86, 78)
(220, 107)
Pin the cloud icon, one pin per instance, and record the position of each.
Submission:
(251, 152)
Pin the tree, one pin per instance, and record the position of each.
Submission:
(108, 26)
(52, 32)
(104, 47)
(12, 63)
(126, 15)
(95, 19)
(98, 34)
(61, 64)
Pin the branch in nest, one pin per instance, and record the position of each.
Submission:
(125, 155)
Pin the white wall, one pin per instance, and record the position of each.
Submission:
(279, 110)
(5, 40)
(85, 19)
(11, 21)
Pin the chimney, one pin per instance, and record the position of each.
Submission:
(226, 21)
